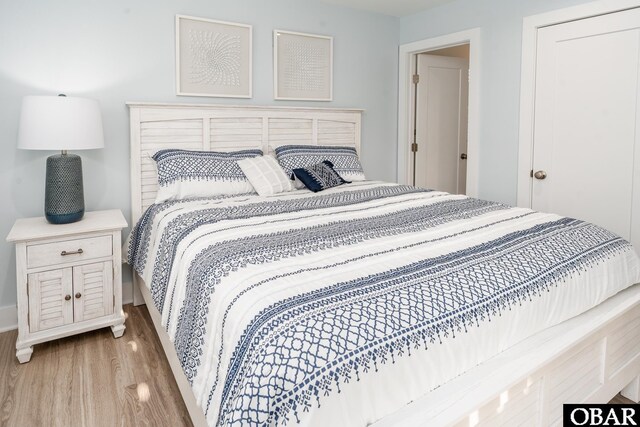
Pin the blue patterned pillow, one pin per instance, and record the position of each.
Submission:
(344, 159)
(319, 177)
(184, 174)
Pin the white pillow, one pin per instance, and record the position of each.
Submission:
(266, 175)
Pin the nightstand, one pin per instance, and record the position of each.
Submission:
(69, 278)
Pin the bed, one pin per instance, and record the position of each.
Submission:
(371, 303)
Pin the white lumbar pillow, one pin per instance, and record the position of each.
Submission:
(266, 175)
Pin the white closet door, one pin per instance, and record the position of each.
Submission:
(441, 123)
(587, 119)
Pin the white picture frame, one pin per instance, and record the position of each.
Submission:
(302, 66)
(197, 40)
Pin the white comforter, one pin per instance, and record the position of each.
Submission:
(341, 307)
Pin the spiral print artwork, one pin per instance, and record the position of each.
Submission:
(216, 58)
(304, 66)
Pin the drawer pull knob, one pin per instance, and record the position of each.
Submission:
(78, 295)
(67, 298)
(65, 253)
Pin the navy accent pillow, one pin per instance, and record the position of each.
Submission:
(319, 177)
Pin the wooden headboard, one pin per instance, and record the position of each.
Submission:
(226, 128)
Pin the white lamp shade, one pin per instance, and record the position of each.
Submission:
(60, 123)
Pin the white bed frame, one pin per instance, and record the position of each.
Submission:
(587, 359)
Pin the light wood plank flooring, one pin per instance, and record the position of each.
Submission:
(621, 400)
(92, 380)
(95, 380)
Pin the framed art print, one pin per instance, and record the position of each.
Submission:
(302, 66)
(213, 58)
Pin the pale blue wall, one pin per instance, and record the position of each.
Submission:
(118, 51)
(501, 47)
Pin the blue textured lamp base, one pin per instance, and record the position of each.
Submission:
(64, 193)
(65, 218)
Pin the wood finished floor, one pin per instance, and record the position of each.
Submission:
(92, 380)
(95, 380)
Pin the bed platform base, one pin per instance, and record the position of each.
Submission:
(587, 359)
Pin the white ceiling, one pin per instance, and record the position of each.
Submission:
(389, 7)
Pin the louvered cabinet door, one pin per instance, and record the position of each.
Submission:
(93, 291)
(50, 302)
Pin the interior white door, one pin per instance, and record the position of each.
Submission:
(441, 123)
(587, 114)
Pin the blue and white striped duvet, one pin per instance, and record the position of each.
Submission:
(341, 307)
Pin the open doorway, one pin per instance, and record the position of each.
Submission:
(438, 112)
(441, 93)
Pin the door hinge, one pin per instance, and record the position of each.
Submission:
(531, 173)
(416, 79)
(414, 147)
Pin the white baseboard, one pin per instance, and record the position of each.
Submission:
(9, 315)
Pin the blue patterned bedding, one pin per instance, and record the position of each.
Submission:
(341, 307)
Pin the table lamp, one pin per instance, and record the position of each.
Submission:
(61, 123)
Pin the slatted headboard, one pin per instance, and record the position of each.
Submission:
(226, 128)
